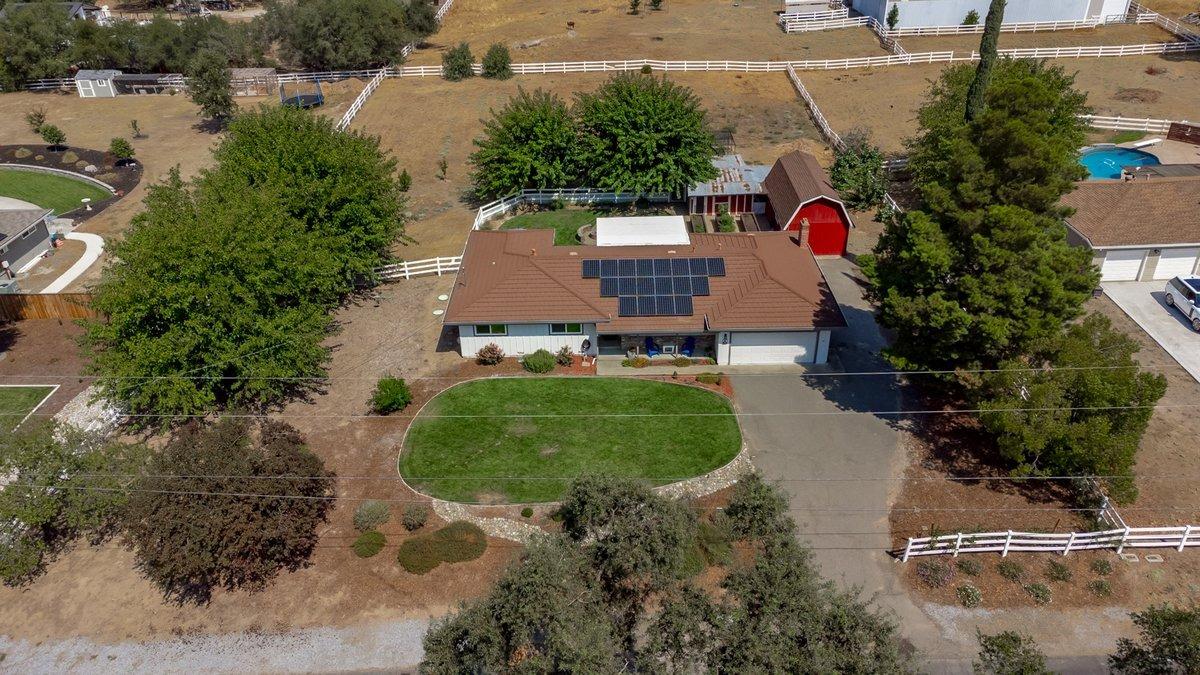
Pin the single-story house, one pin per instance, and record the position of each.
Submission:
(921, 13)
(1140, 230)
(642, 231)
(739, 298)
(800, 198)
(24, 237)
(96, 83)
(738, 187)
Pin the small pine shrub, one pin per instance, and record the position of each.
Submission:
(1013, 571)
(682, 362)
(647, 70)
(1102, 567)
(1100, 588)
(969, 566)
(1039, 592)
(636, 362)
(709, 378)
(457, 63)
(656, 4)
(1056, 571)
(527, 512)
(418, 555)
(497, 63)
(489, 355)
(391, 395)
(971, 19)
(565, 357)
(460, 541)
(414, 517)
(634, 6)
(539, 362)
(371, 514)
(969, 596)
(404, 182)
(934, 573)
(369, 543)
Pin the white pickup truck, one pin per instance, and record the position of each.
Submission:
(1182, 294)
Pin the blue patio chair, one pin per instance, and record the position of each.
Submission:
(689, 346)
(651, 348)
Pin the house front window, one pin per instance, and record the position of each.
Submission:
(566, 329)
(491, 329)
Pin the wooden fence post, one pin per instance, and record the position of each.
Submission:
(1007, 542)
(1070, 542)
(1187, 531)
(907, 550)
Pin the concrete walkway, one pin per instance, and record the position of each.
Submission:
(1145, 303)
(95, 246)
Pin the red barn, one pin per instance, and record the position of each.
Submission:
(801, 199)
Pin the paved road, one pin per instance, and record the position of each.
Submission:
(1144, 302)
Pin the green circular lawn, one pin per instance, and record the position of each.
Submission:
(522, 439)
(49, 191)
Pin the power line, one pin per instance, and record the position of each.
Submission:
(849, 479)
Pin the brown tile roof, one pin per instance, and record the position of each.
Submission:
(520, 276)
(1147, 212)
(796, 178)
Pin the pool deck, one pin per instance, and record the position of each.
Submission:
(1171, 152)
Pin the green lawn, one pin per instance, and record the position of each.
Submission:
(17, 402)
(564, 222)
(47, 190)
(471, 457)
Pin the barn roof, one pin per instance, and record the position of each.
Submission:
(735, 177)
(796, 179)
(1143, 212)
(519, 276)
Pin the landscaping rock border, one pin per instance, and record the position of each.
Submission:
(122, 178)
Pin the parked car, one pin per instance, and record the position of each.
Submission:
(1182, 294)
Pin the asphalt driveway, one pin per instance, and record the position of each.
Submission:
(1144, 302)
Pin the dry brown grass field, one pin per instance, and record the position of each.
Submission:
(605, 30)
(422, 120)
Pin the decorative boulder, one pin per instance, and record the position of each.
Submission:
(91, 168)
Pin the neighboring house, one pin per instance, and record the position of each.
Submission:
(801, 199)
(738, 298)
(76, 11)
(24, 236)
(918, 13)
(738, 187)
(1141, 229)
(96, 83)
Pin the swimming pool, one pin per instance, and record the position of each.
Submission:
(1107, 162)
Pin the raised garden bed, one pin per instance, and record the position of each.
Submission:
(123, 178)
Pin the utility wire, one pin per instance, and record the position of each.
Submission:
(929, 479)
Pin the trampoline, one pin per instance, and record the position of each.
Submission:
(302, 100)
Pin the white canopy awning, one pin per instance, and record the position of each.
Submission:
(642, 231)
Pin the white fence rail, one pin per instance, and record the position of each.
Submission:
(1010, 541)
(792, 25)
(419, 268)
(840, 13)
(361, 99)
(573, 196)
(1130, 124)
(818, 117)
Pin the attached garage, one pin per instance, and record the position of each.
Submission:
(1122, 264)
(1176, 262)
(776, 347)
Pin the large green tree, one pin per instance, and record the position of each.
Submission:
(988, 53)
(1009, 653)
(209, 86)
(345, 34)
(220, 292)
(35, 42)
(984, 269)
(1168, 642)
(221, 507)
(530, 143)
(1078, 407)
(642, 134)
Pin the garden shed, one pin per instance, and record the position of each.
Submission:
(147, 83)
(738, 187)
(254, 81)
(802, 199)
(96, 83)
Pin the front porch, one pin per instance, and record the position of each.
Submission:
(619, 347)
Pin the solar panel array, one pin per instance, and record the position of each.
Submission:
(654, 286)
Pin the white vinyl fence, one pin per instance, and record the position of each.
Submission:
(361, 99)
(576, 196)
(419, 268)
(794, 25)
(831, 136)
(1130, 123)
(1011, 541)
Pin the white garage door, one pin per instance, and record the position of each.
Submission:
(768, 348)
(1176, 262)
(1123, 265)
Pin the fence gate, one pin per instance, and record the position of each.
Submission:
(1187, 133)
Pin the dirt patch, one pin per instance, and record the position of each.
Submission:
(1137, 95)
(43, 352)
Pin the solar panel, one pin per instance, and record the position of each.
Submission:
(683, 305)
(665, 304)
(627, 306)
(716, 267)
(647, 306)
(609, 288)
(683, 286)
(628, 285)
(608, 268)
(645, 285)
(662, 267)
(698, 265)
(628, 267)
(591, 269)
(662, 285)
(645, 267)
(680, 266)
(700, 286)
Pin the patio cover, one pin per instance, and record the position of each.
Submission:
(642, 231)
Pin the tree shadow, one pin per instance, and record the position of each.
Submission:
(9, 334)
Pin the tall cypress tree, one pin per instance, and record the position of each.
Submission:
(988, 53)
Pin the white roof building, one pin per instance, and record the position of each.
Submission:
(642, 231)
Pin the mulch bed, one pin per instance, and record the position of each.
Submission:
(123, 178)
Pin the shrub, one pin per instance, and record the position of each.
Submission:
(857, 172)
(540, 361)
(120, 148)
(460, 541)
(968, 595)
(69, 157)
(22, 153)
(1056, 571)
(1100, 588)
(418, 555)
(369, 543)
(1102, 567)
(934, 573)
(457, 63)
(1010, 570)
(52, 135)
(725, 221)
(527, 512)
(371, 514)
(35, 118)
(969, 566)
(636, 362)
(634, 6)
(565, 357)
(1039, 592)
(682, 362)
(490, 354)
(81, 164)
(656, 4)
(497, 63)
(709, 378)
(971, 19)
(647, 70)
(713, 541)
(404, 181)
(414, 517)
(391, 394)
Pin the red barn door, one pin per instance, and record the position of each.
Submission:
(828, 228)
